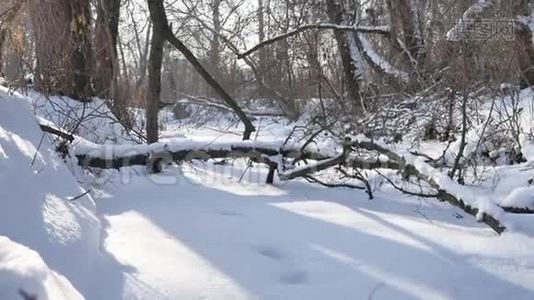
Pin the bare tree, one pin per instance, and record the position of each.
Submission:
(159, 21)
(162, 32)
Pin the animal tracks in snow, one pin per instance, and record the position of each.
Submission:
(270, 252)
(291, 274)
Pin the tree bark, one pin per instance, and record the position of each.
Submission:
(262, 57)
(62, 31)
(154, 69)
(524, 44)
(106, 36)
(406, 33)
(346, 48)
(215, 46)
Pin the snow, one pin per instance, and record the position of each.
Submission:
(468, 195)
(35, 213)
(215, 231)
(522, 197)
(83, 147)
(242, 240)
(22, 270)
(97, 122)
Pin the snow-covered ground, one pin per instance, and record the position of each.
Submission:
(212, 231)
(201, 238)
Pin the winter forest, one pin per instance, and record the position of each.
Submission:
(266, 149)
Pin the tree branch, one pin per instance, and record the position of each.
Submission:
(441, 184)
(158, 10)
(360, 29)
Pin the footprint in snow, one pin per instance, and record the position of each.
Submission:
(289, 276)
(270, 252)
(294, 276)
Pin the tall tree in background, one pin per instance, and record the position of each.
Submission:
(162, 32)
(405, 31)
(62, 30)
(159, 21)
(262, 64)
(106, 35)
(107, 69)
(347, 48)
(524, 42)
(215, 44)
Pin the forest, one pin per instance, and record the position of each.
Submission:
(266, 149)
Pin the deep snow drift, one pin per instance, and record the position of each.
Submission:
(214, 231)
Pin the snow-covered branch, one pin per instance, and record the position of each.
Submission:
(187, 99)
(380, 64)
(483, 209)
(358, 29)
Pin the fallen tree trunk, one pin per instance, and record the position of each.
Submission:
(143, 159)
(156, 155)
(67, 136)
(312, 168)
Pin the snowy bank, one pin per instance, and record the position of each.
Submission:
(35, 186)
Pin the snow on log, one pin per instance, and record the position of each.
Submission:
(314, 167)
(269, 153)
(483, 209)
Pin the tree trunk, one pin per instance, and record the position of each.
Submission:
(347, 48)
(406, 31)
(62, 32)
(3, 36)
(262, 64)
(169, 94)
(107, 69)
(215, 47)
(106, 35)
(154, 69)
(524, 44)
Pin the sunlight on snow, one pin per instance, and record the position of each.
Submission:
(402, 283)
(172, 264)
(24, 146)
(60, 222)
(344, 216)
(227, 182)
(3, 153)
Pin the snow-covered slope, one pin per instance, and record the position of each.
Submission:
(34, 208)
(23, 272)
